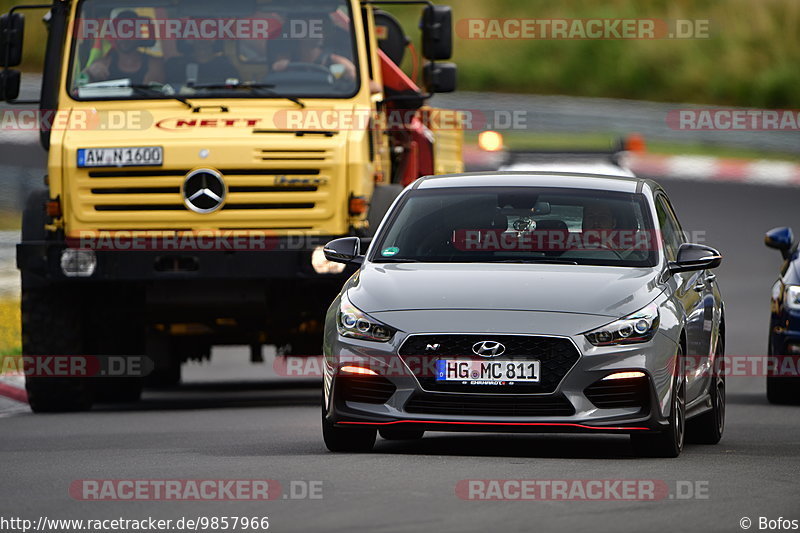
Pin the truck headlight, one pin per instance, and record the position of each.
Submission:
(791, 298)
(77, 263)
(353, 323)
(322, 265)
(640, 326)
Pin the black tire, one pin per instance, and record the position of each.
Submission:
(117, 331)
(783, 391)
(709, 427)
(401, 434)
(667, 443)
(51, 325)
(120, 390)
(348, 440)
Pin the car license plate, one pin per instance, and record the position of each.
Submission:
(144, 156)
(482, 372)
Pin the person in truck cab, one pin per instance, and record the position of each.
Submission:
(126, 61)
(202, 61)
(318, 49)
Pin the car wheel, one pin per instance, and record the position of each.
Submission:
(354, 440)
(667, 443)
(401, 434)
(708, 427)
(782, 391)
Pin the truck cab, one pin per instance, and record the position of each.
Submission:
(203, 153)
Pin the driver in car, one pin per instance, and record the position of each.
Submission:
(126, 61)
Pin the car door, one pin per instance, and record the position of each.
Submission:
(690, 291)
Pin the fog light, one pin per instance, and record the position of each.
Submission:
(359, 370)
(625, 375)
(322, 265)
(78, 263)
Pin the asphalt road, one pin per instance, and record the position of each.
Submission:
(238, 422)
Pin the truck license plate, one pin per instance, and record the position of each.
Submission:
(147, 156)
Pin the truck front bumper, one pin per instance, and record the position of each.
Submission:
(283, 259)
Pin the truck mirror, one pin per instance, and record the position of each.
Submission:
(12, 29)
(9, 84)
(437, 33)
(440, 77)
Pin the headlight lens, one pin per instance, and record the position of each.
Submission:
(353, 323)
(637, 327)
(792, 297)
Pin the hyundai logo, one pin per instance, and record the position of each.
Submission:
(488, 348)
(204, 191)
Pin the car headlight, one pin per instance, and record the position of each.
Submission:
(791, 297)
(353, 323)
(637, 327)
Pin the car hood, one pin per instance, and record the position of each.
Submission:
(593, 290)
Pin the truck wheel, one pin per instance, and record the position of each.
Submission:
(51, 325)
(116, 332)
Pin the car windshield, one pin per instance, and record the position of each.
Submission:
(520, 225)
(207, 49)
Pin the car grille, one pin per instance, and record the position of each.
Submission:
(365, 389)
(556, 355)
(489, 405)
(617, 393)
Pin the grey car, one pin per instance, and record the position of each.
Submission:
(527, 302)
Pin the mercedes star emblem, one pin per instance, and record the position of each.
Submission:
(204, 191)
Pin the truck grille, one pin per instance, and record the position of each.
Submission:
(557, 356)
(284, 189)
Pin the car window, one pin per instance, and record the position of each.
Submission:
(671, 233)
(519, 224)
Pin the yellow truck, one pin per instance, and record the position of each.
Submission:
(200, 153)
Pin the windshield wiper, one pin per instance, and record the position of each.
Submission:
(143, 89)
(396, 260)
(265, 88)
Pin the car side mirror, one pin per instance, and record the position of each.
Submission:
(693, 257)
(9, 84)
(12, 30)
(781, 239)
(344, 250)
(440, 77)
(437, 33)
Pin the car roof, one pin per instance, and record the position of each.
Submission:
(604, 168)
(624, 181)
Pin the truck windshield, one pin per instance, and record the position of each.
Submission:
(153, 49)
(520, 225)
